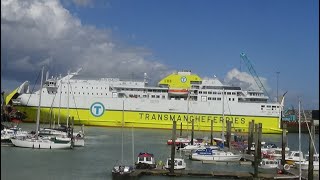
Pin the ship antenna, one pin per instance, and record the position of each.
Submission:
(145, 78)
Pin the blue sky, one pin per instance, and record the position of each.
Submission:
(204, 36)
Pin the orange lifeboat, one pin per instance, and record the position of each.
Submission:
(178, 91)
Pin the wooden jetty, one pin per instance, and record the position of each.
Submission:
(212, 174)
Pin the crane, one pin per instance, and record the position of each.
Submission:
(253, 73)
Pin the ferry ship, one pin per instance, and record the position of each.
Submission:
(181, 96)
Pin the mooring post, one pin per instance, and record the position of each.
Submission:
(259, 141)
(192, 131)
(311, 150)
(250, 136)
(211, 137)
(284, 144)
(173, 146)
(256, 162)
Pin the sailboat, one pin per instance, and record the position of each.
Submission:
(122, 170)
(304, 165)
(36, 141)
(63, 133)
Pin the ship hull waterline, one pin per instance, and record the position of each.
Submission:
(153, 120)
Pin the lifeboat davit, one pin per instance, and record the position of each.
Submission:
(178, 91)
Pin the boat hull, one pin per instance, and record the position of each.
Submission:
(39, 144)
(305, 165)
(152, 119)
(215, 158)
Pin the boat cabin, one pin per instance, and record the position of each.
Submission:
(269, 163)
(179, 164)
(145, 161)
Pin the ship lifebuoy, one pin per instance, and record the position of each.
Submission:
(286, 167)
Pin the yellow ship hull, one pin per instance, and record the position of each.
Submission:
(143, 119)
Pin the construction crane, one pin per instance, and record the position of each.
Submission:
(253, 73)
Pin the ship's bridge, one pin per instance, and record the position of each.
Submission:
(180, 80)
(179, 83)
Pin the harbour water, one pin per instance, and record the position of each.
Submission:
(103, 150)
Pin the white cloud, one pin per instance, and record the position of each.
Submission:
(244, 80)
(38, 32)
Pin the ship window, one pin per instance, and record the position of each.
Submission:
(209, 92)
(219, 92)
(262, 106)
(204, 92)
(101, 93)
(144, 96)
(88, 93)
(219, 99)
(101, 87)
(232, 99)
(229, 99)
(106, 93)
(152, 96)
(74, 92)
(82, 87)
(65, 92)
(228, 93)
(214, 98)
(163, 97)
(158, 96)
(200, 92)
(92, 87)
(233, 93)
(209, 98)
(79, 92)
(83, 92)
(97, 93)
(92, 93)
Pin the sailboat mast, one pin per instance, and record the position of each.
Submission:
(132, 146)
(60, 87)
(122, 132)
(223, 117)
(38, 112)
(68, 99)
(299, 140)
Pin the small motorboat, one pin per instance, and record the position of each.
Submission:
(145, 161)
(305, 164)
(269, 163)
(179, 164)
(122, 171)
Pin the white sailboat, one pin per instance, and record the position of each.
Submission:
(305, 164)
(209, 154)
(36, 141)
(121, 170)
(63, 133)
